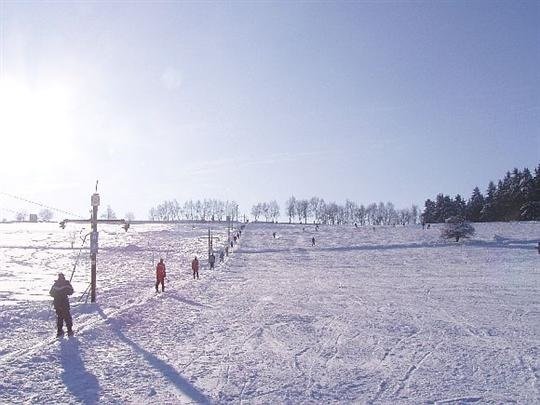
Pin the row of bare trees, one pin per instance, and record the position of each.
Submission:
(268, 210)
(205, 210)
(317, 210)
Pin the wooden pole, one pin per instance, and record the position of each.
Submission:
(93, 257)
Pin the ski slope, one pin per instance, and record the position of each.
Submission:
(367, 315)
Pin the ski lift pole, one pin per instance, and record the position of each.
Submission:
(209, 243)
(94, 246)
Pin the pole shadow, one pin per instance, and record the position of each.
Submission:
(181, 383)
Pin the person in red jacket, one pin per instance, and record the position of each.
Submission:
(195, 267)
(160, 276)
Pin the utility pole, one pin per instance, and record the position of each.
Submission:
(94, 244)
(94, 200)
(228, 228)
(209, 243)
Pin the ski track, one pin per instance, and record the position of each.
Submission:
(384, 316)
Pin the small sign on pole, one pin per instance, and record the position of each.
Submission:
(95, 200)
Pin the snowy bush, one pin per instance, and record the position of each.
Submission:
(456, 227)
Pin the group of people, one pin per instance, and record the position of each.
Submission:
(62, 288)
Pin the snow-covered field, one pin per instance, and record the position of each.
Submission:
(384, 315)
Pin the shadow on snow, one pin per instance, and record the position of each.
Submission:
(498, 244)
(166, 370)
(81, 383)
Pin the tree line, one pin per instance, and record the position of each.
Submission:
(317, 210)
(205, 210)
(516, 197)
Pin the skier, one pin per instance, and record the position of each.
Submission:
(60, 291)
(195, 267)
(313, 241)
(160, 276)
(274, 235)
(212, 260)
(221, 256)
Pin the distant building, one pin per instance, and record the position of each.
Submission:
(33, 218)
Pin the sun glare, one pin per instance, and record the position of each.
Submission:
(34, 123)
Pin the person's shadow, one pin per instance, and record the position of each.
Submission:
(81, 383)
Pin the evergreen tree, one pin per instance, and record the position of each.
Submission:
(459, 206)
(488, 211)
(530, 188)
(474, 206)
(428, 216)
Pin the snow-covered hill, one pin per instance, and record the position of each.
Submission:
(367, 315)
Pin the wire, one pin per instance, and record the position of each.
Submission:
(41, 205)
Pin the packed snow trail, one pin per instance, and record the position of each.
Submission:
(384, 315)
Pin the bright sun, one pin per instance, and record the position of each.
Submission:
(34, 124)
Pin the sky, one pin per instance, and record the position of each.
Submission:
(256, 101)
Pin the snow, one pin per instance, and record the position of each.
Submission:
(367, 315)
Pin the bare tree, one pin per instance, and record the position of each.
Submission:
(256, 211)
(414, 214)
(302, 210)
(291, 208)
(273, 210)
(265, 211)
(189, 209)
(46, 215)
(199, 210)
(21, 216)
(350, 208)
(130, 216)
(332, 212)
(109, 213)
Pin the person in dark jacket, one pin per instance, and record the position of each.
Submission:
(160, 276)
(212, 261)
(195, 267)
(60, 291)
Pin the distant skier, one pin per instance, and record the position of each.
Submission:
(274, 235)
(221, 256)
(313, 241)
(60, 291)
(160, 276)
(195, 267)
(212, 261)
